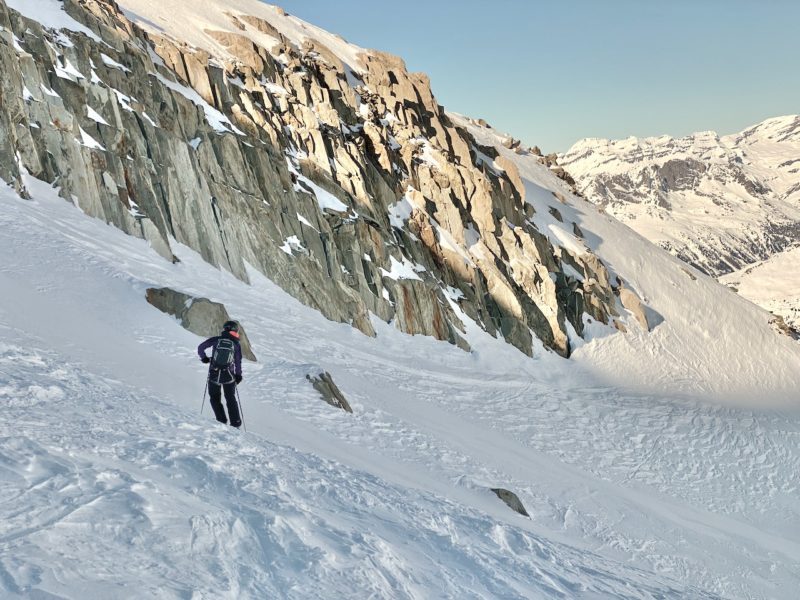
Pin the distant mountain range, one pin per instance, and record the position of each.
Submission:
(544, 403)
(722, 204)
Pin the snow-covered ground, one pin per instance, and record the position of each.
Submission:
(773, 284)
(112, 485)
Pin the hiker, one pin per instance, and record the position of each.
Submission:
(224, 371)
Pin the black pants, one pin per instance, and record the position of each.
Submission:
(227, 383)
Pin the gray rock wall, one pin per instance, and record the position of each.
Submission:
(249, 189)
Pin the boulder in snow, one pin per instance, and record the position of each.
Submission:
(329, 391)
(779, 324)
(512, 500)
(198, 315)
(630, 300)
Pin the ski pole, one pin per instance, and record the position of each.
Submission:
(203, 405)
(241, 413)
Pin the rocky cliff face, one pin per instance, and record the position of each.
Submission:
(719, 203)
(344, 182)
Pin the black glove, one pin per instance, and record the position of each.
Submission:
(238, 379)
(205, 360)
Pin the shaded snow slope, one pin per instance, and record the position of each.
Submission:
(113, 486)
(707, 338)
(132, 498)
(230, 516)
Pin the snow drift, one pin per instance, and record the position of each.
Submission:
(113, 486)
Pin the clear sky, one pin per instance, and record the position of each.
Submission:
(552, 72)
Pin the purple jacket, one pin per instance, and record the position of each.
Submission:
(212, 343)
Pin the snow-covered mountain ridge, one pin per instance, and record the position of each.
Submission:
(352, 190)
(260, 140)
(319, 192)
(720, 203)
(765, 155)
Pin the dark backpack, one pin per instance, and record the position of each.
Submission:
(223, 355)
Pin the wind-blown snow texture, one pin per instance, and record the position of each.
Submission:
(113, 486)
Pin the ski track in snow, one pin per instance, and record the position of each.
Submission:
(168, 506)
(113, 487)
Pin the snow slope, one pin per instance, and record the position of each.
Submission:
(114, 486)
(705, 338)
(190, 22)
(773, 284)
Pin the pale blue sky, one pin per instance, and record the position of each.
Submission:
(552, 72)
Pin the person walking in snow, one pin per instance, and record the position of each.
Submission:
(224, 371)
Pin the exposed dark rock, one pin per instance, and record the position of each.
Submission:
(551, 160)
(511, 499)
(689, 274)
(201, 316)
(778, 324)
(329, 391)
(563, 175)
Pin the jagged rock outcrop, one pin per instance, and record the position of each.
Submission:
(511, 500)
(350, 188)
(779, 325)
(329, 391)
(631, 301)
(201, 316)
